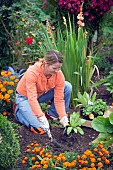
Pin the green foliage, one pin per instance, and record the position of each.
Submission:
(77, 67)
(90, 106)
(85, 99)
(104, 45)
(105, 128)
(75, 123)
(107, 81)
(9, 146)
(44, 107)
(97, 108)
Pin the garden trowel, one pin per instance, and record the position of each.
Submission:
(52, 139)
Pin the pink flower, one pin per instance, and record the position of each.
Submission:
(80, 23)
(80, 17)
(29, 40)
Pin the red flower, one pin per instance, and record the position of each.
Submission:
(29, 40)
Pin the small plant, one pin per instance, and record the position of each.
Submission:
(9, 144)
(75, 123)
(90, 106)
(105, 128)
(39, 157)
(8, 85)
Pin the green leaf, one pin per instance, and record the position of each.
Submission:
(111, 118)
(80, 130)
(69, 129)
(75, 130)
(80, 122)
(102, 124)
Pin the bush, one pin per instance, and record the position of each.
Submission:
(9, 146)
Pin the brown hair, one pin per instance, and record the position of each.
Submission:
(52, 57)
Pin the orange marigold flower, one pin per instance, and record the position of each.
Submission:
(12, 77)
(107, 161)
(16, 81)
(95, 150)
(11, 83)
(1, 85)
(52, 165)
(33, 158)
(10, 91)
(7, 96)
(4, 113)
(92, 165)
(100, 164)
(28, 150)
(45, 166)
(3, 89)
(26, 158)
(93, 160)
(34, 167)
(23, 162)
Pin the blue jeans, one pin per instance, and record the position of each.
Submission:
(24, 112)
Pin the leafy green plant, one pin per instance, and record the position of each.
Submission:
(78, 67)
(90, 106)
(105, 128)
(85, 99)
(75, 123)
(96, 109)
(9, 146)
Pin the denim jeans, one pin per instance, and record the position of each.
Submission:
(24, 112)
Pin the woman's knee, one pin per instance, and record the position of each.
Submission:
(68, 87)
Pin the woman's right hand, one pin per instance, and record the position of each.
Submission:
(44, 124)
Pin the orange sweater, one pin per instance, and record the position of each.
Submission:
(34, 83)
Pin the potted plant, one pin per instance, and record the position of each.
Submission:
(90, 107)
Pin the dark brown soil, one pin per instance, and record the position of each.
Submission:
(77, 143)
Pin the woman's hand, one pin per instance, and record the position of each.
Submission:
(64, 121)
(44, 124)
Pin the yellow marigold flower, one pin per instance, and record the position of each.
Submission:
(3, 89)
(7, 96)
(52, 165)
(10, 91)
(12, 77)
(16, 81)
(23, 19)
(2, 73)
(11, 83)
(1, 86)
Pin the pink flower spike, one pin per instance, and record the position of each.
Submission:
(29, 40)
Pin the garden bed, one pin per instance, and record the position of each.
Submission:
(76, 143)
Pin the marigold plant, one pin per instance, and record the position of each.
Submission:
(39, 157)
(8, 84)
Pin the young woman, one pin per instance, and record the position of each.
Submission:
(42, 82)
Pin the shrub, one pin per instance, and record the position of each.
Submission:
(9, 146)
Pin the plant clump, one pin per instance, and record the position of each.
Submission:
(8, 85)
(39, 157)
(9, 144)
